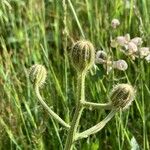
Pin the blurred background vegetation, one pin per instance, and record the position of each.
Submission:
(42, 31)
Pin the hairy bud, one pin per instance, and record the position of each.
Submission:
(122, 96)
(38, 74)
(83, 55)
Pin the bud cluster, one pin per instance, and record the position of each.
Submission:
(131, 47)
(108, 63)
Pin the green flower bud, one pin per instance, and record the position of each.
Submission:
(38, 74)
(122, 96)
(83, 55)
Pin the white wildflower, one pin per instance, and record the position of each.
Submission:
(132, 48)
(121, 40)
(147, 58)
(115, 23)
(137, 41)
(120, 65)
(101, 57)
(144, 51)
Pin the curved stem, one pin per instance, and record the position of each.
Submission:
(97, 127)
(53, 114)
(78, 112)
(91, 105)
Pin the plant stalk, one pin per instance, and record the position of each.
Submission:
(96, 128)
(53, 114)
(92, 105)
(77, 115)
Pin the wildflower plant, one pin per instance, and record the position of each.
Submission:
(83, 58)
(108, 63)
(131, 47)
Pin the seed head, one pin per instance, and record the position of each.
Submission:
(38, 74)
(83, 55)
(122, 96)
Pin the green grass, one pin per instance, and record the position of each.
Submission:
(38, 31)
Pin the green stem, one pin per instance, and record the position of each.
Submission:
(78, 112)
(76, 18)
(91, 105)
(53, 114)
(97, 127)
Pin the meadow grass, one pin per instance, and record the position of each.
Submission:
(38, 31)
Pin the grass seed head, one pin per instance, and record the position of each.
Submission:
(82, 55)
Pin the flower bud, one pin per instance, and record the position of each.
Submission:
(83, 55)
(115, 23)
(38, 74)
(122, 96)
(120, 65)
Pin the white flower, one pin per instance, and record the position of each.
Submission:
(120, 65)
(144, 51)
(147, 58)
(101, 54)
(132, 47)
(115, 23)
(137, 41)
(101, 57)
(121, 40)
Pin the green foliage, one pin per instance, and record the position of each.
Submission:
(38, 31)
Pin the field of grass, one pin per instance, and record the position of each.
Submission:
(42, 32)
